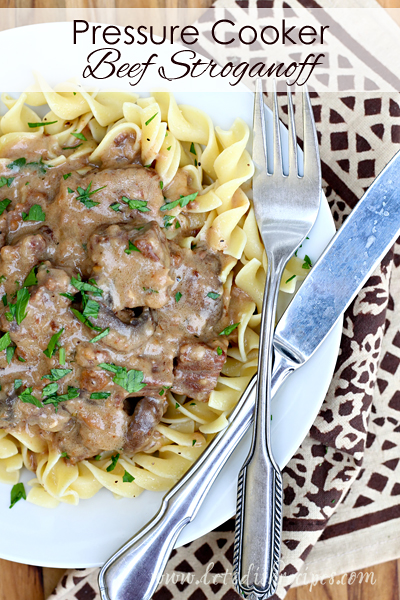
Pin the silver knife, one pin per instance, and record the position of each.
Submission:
(134, 571)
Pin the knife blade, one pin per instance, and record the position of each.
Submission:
(339, 274)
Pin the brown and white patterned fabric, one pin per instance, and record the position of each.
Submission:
(344, 478)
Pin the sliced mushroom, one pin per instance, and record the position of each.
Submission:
(146, 415)
(130, 333)
(7, 409)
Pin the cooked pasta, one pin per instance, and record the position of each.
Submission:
(83, 130)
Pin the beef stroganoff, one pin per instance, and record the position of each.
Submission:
(131, 277)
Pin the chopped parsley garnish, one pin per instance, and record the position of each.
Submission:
(31, 278)
(17, 383)
(66, 175)
(213, 295)
(290, 278)
(17, 164)
(35, 214)
(127, 478)
(80, 136)
(3, 278)
(168, 220)
(193, 442)
(192, 404)
(27, 397)
(114, 460)
(10, 353)
(6, 181)
(177, 224)
(131, 380)
(64, 455)
(21, 359)
(55, 400)
(4, 299)
(56, 374)
(17, 494)
(100, 395)
(3, 205)
(169, 148)
(307, 262)
(43, 124)
(192, 149)
(178, 296)
(164, 389)
(5, 341)
(51, 347)
(61, 356)
(100, 336)
(18, 310)
(115, 206)
(228, 330)
(161, 185)
(91, 307)
(72, 147)
(50, 389)
(140, 205)
(183, 201)
(146, 289)
(151, 118)
(131, 248)
(82, 286)
(41, 166)
(219, 351)
(97, 457)
(85, 320)
(67, 295)
(177, 405)
(84, 196)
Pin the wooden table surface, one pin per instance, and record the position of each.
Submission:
(24, 582)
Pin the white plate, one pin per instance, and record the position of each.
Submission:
(86, 535)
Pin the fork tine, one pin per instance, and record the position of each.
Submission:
(292, 136)
(259, 140)
(277, 135)
(312, 165)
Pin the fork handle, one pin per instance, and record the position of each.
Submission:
(259, 499)
(258, 540)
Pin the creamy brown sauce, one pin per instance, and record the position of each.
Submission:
(151, 295)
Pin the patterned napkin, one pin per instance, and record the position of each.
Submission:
(343, 478)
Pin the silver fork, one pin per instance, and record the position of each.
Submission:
(286, 208)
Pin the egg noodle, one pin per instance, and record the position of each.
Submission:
(220, 169)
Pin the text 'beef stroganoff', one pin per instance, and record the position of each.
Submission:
(131, 278)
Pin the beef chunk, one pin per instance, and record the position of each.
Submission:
(197, 370)
(19, 259)
(196, 275)
(131, 265)
(47, 312)
(75, 221)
